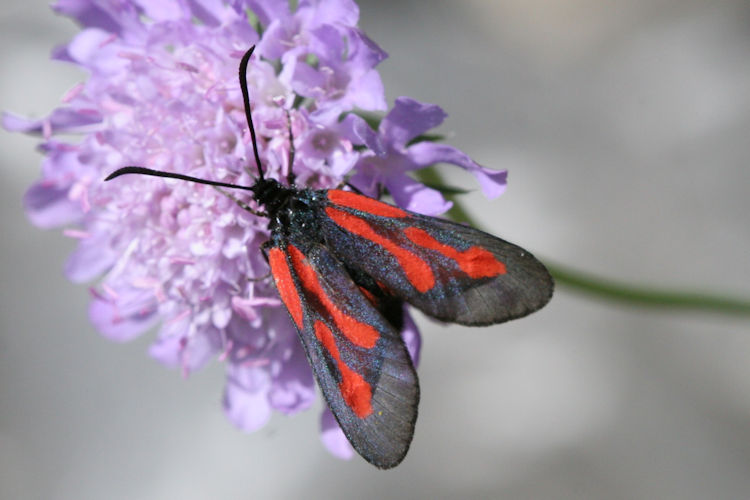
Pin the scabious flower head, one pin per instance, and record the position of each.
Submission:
(162, 92)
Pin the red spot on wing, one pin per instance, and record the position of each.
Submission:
(285, 284)
(355, 390)
(360, 334)
(417, 271)
(474, 261)
(364, 203)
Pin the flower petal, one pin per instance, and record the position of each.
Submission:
(364, 54)
(408, 119)
(333, 437)
(368, 93)
(61, 119)
(48, 205)
(493, 182)
(268, 10)
(211, 12)
(96, 50)
(92, 257)
(89, 14)
(246, 397)
(415, 196)
(163, 10)
(342, 12)
(358, 131)
(412, 338)
(176, 348)
(125, 317)
(293, 388)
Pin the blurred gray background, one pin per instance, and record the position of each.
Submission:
(625, 129)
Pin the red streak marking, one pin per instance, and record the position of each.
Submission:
(369, 295)
(285, 284)
(364, 203)
(355, 390)
(475, 261)
(359, 333)
(384, 288)
(417, 271)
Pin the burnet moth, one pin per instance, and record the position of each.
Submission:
(344, 264)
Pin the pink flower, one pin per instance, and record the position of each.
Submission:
(162, 92)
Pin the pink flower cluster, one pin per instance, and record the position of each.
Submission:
(162, 92)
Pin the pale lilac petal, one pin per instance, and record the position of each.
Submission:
(333, 437)
(493, 182)
(125, 317)
(274, 43)
(177, 348)
(412, 338)
(17, 123)
(60, 53)
(269, 10)
(163, 10)
(356, 129)
(88, 13)
(328, 44)
(364, 54)
(249, 309)
(344, 73)
(221, 306)
(342, 162)
(293, 389)
(48, 205)
(408, 119)
(209, 12)
(246, 397)
(368, 92)
(306, 80)
(415, 196)
(291, 397)
(86, 44)
(61, 119)
(92, 257)
(343, 12)
(366, 181)
(95, 49)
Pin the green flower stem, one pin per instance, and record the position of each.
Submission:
(609, 289)
(642, 296)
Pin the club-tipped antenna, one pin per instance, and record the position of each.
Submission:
(171, 175)
(246, 103)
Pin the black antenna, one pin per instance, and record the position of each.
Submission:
(246, 102)
(171, 175)
(290, 177)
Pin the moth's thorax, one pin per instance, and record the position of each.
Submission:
(290, 210)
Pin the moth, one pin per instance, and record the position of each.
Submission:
(344, 264)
